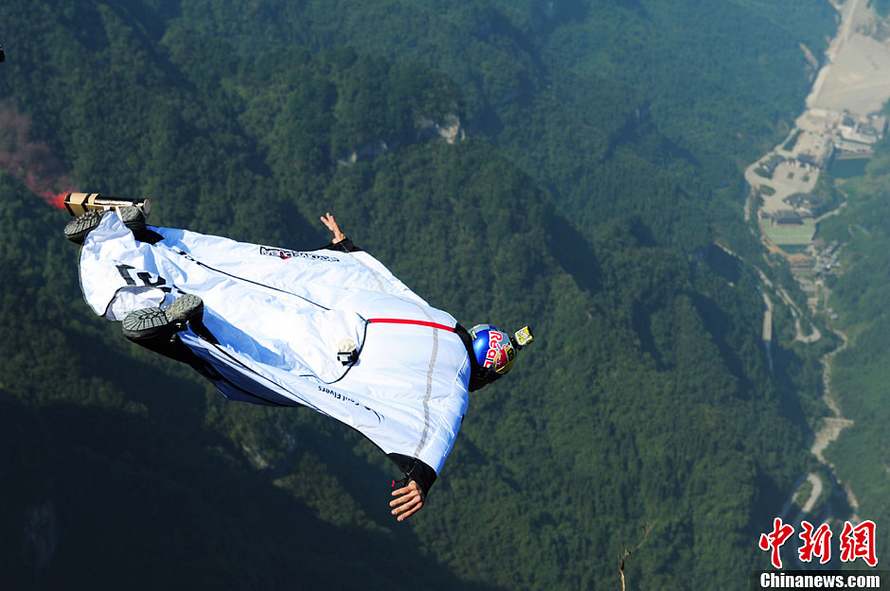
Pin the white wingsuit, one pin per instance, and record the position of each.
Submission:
(278, 319)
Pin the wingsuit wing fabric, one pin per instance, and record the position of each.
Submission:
(278, 318)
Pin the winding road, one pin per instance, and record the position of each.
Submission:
(830, 427)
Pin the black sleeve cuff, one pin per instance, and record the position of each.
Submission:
(344, 245)
(415, 470)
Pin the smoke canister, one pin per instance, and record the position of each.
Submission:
(80, 203)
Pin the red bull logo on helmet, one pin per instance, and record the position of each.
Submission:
(500, 352)
(493, 348)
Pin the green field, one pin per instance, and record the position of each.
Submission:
(790, 234)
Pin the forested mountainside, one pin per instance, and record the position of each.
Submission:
(598, 100)
(564, 164)
(860, 374)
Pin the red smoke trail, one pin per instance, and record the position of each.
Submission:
(30, 162)
(57, 200)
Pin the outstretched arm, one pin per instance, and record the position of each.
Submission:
(412, 491)
(339, 240)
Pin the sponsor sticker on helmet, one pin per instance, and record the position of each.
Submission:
(494, 348)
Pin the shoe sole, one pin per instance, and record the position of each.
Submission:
(147, 323)
(77, 229)
(133, 219)
(187, 307)
(153, 323)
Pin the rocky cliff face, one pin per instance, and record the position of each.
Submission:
(449, 129)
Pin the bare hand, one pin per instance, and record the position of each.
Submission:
(331, 224)
(408, 502)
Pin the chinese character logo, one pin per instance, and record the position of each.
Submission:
(814, 543)
(774, 540)
(856, 541)
(859, 542)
